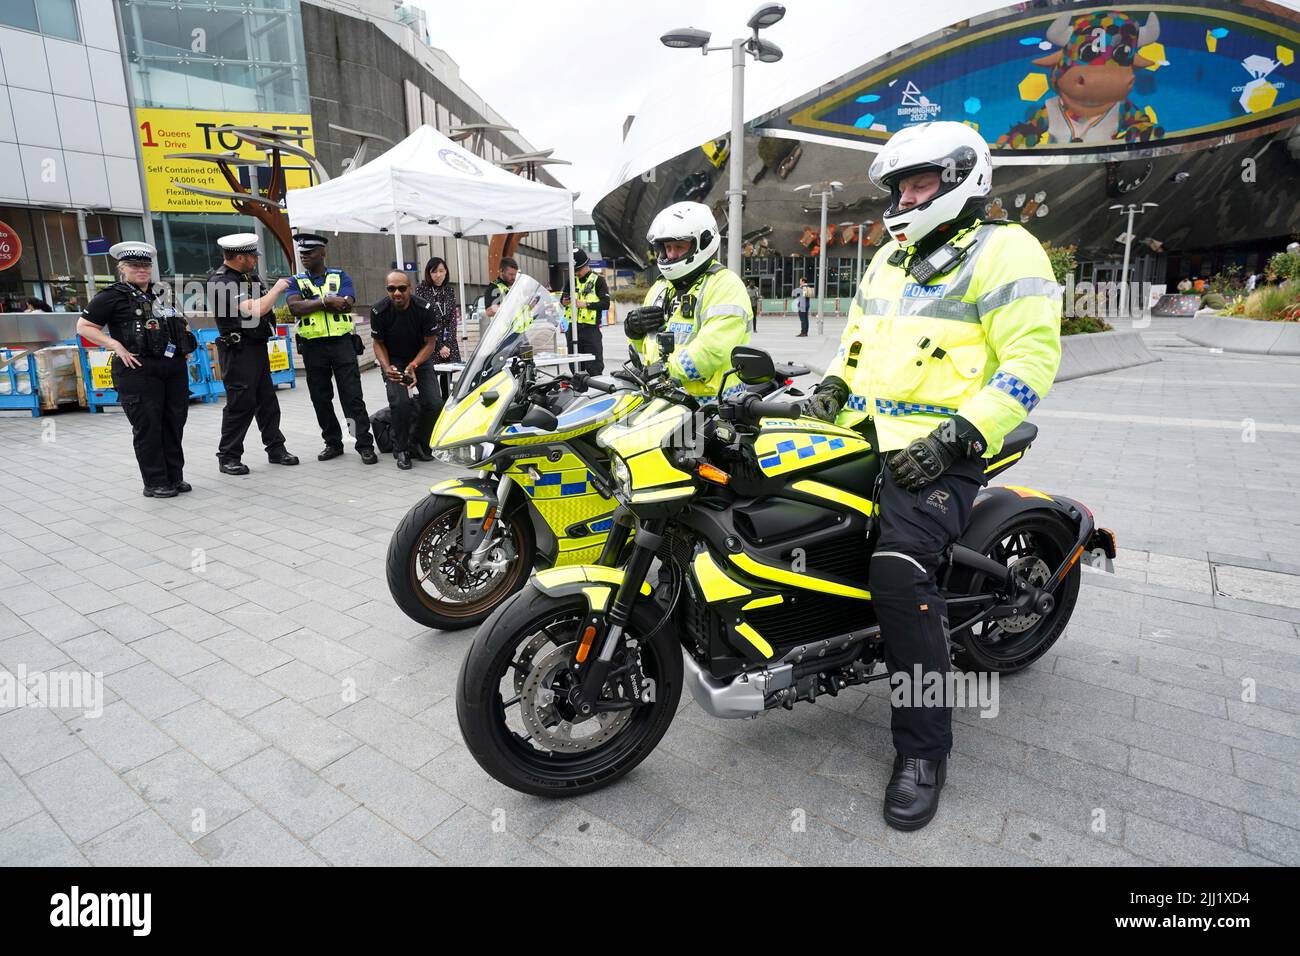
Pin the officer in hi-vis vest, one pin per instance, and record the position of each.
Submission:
(593, 303)
(952, 339)
(322, 301)
(703, 303)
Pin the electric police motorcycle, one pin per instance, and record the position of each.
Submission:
(763, 523)
(543, 496)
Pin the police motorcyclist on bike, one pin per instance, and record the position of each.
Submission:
(952, 339)
(704, 304)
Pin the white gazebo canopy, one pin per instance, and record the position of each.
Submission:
(427, 185)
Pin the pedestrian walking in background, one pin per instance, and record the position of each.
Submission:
(803, 302)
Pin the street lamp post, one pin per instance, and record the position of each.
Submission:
(764, 51)
(1132, 209)
(825, 190)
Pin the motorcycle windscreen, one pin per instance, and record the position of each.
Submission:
(476, 416)
(528, 317)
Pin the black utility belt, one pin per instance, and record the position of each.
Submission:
(155, 355)
(235, 339)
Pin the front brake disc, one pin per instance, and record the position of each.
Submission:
(550, 729)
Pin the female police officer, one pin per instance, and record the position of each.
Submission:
(149, 341)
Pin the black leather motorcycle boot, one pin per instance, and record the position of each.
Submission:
(912, 797)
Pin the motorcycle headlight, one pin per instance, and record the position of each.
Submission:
(463, 455)
(622, 476)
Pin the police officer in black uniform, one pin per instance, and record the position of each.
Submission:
(149, 340)
(245, 313)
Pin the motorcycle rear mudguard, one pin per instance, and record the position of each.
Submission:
(996, 506)
(594, 582)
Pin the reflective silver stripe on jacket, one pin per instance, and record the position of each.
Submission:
(871, 306)
(1019, 289)
(945, 308)
(725, 308)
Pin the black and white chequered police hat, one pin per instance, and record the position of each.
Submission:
(239, 242)
(139, 252)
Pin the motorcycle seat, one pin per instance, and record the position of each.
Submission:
(1013, 447)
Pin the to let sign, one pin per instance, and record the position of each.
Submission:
(11, 247)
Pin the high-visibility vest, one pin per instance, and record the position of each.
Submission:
(586, 293)
(708, 320)
(982, 341)
(322, 323)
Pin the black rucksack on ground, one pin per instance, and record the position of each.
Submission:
(381, 423)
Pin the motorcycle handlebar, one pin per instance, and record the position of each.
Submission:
(755, 408)
(583, 381)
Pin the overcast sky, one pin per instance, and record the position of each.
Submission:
(576, 101)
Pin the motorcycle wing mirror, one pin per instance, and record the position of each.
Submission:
(667, 342)
(540, 418)
(753, 366)
(633, 356)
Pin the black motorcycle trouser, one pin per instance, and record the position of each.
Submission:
(915, 528)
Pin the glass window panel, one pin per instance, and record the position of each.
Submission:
(19, 13)
(58, 18)
(189, 55)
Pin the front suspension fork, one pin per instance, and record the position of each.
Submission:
(476, 524)
(592, 674)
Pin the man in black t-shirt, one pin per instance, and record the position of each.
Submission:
(404, 330)
(245, 314)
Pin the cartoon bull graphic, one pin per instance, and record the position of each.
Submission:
(1092, 75)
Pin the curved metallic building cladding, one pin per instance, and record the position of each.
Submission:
(1193, 106)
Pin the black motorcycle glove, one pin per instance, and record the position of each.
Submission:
(641, 322)
(827, 399)
(927, 458)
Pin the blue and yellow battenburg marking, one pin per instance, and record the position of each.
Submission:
(789, 445)
(800, 447)
(561, 484)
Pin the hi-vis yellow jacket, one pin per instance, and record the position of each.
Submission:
(982, 341)
(708, 320)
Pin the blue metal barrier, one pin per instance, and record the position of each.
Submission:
(280, 348)
(96, 370)
(20, 386)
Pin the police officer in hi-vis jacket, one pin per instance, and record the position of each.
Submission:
(953, 338)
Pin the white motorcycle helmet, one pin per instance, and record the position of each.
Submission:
(956, 152)
(689, 221)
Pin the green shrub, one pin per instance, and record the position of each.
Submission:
(1062, 259)
(771, 149)
(1228, 282)
(1080, 324)
(1283, 266)
(1271, 301)
(1214, 300)
(634, 294)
